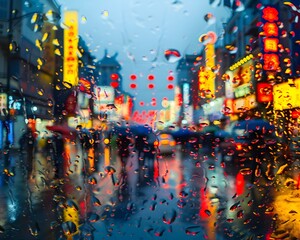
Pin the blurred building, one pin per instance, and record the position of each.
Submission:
(262, 79)
(28, 62)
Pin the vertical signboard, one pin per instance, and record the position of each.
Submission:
(70, 48)
(270, 40)
(206, 76)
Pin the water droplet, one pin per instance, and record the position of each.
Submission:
(55, 42)
(207, 212)
(96, 202)
(130, 206)
(94, 217)
(172, 55)
(153, 206)
(69, 228)
(159, 231)
(183, 194)
(181, 203)
(57, 52)
(105, 14)
(240, 214)
(193, 230)
(40, 92)
(83, 19)
(92, 180)
(169, 217)
(45, 37)
(245, 171)
(210, 18)
(235, 206)
(34, 229)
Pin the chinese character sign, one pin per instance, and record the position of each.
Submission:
(70, 48)
(270, 35)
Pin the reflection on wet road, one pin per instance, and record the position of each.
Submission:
(188, 194)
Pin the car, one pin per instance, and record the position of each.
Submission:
(166, 144)
(246, 139)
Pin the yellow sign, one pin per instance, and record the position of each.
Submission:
(70, 48)
(206, 76)
(286, 95)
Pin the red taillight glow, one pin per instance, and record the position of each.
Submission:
(238, 146)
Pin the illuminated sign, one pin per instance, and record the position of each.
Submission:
(264, 92)
(240, 79)
(242, 90)
(103, 95)
(70, 48)
(3, 103)
(246, 103)
(186, 93)
(286, 96)
(206, 76)
(270, 33)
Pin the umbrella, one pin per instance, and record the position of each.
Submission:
(222, 133)
(211, 129)
(141, 129)
(110, 171)
(182, 133)
(254, 125)
(64, 130)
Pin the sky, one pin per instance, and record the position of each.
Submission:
(140, 31)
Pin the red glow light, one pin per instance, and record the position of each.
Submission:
(114, 76)
(114, 84)
(150, 85)
(132, 85)
(133, 77)
(151, 77)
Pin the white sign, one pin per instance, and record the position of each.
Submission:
(103, 95)
(3, 103)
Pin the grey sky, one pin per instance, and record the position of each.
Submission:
(140, 31)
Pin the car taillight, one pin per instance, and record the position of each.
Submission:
(155, 143)
(238, 146)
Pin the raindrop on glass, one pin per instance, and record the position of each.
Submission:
(172, 55)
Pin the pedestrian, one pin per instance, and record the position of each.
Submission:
(27, 144)
(58, 144)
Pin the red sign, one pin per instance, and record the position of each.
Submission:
(271, 62)
(71, 104)
(295, 113)
(264, 92)
(271, 40)
(270, 14)
(270, 29)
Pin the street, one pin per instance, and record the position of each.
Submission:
(189, 194)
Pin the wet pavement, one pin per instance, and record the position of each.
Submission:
(188, 195)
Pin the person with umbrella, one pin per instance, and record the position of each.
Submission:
(124, 139)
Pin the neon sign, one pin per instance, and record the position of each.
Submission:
(271, 60)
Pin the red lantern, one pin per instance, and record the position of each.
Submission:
(133, 77)
(114, 76)
(151, 77)
(114, 84)
(133, 85)
(150, 85)
(170, 86)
